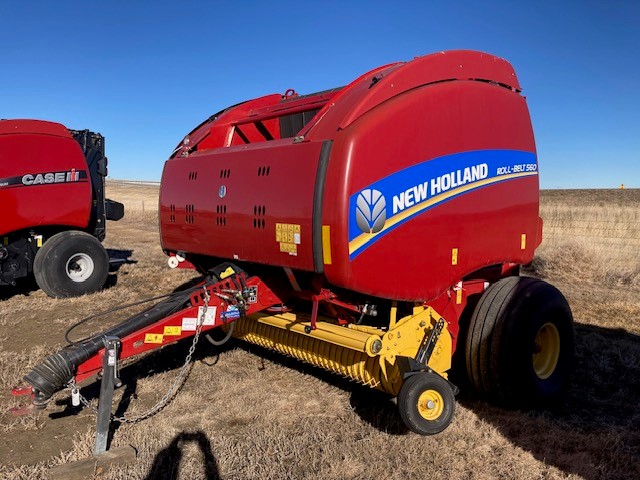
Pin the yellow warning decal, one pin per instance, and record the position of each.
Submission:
(454, 256)
(153, 338)
(227, 273)
(523, 241)
(288, 247)
(288, 236)
(168, 331)
(458, 296)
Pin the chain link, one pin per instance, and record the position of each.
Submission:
(175, 386)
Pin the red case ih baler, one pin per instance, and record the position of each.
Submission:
(53, 207)
(375, 230)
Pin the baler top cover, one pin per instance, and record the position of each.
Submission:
(401, 183)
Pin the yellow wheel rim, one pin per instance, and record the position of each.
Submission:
(546, 350)
(430, 404)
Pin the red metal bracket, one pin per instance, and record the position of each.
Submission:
(22, 390)
(452, 302)
(23, 409)
(328, 296)
(323, 296)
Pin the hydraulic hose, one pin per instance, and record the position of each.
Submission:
(58, 369)
(226, 338)
(117, 309)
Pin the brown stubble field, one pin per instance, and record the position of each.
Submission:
(248, 413)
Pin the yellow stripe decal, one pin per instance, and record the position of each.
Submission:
(326, 244)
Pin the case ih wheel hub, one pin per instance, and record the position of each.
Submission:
(79, 267)
(430, 404)
(546, 350)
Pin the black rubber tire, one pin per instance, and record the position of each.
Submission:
(500, 343)
(408, 403)
(50, 264)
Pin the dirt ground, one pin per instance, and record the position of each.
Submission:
(248, 413)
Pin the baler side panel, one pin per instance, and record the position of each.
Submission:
(31, 195)
(250, 203)
(443, 123)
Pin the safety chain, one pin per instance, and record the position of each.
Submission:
(175, 386)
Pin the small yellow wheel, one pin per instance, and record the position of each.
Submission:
(426, 403)
(430, 404)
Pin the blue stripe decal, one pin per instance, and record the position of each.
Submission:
(388, 203)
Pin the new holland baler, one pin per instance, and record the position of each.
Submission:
(375, 230)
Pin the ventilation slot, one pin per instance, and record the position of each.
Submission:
(193, 175)
(264, 171)
(221, 215)
(189, 217)
(172, 213)
(258, 212)
(225, 173)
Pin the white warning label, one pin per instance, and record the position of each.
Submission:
(189, 324)
(209, 317)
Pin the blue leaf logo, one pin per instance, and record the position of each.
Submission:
(371, 211)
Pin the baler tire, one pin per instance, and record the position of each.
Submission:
(59, 263)
(413, 403)
(504, 342)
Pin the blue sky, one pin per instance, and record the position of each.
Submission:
(145, 73)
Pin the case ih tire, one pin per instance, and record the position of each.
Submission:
(520, 348)
(70, 264)
(426, 403)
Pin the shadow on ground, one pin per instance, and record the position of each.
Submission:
(595, 433)
(117, 258)
(24, 287)
(166, 464)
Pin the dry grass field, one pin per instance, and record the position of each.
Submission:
(248, 413)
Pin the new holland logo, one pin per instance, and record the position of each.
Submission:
(371, 211)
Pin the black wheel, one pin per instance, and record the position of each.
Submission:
(426, 403)
(71, 263)
(519, 347)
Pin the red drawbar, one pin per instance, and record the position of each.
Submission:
(182, 324)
